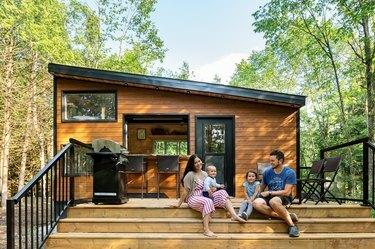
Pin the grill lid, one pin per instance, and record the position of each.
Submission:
(114, 147)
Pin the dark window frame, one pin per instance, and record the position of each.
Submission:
(63, 93)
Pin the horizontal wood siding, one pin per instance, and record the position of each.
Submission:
(259, 128)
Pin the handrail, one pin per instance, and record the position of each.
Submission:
(40, 174)
(368, 151)
(339, 146)
(371, 145)
(34, 211)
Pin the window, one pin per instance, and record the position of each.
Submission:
(89, 106)
(170, 147)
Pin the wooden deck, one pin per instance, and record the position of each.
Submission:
(152, 223)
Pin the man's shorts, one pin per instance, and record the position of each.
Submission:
(285, 200)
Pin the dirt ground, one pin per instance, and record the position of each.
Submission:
(3, 229)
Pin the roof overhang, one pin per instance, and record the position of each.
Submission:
(177, 85)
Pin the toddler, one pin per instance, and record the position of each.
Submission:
(210, 184)
(251, 188)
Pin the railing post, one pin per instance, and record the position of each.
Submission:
(322, 184)
(321, 154)
(365, 173)
(298, 149)
(71, 177)
(10, 225)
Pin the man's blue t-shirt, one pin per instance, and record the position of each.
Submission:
(277, 182)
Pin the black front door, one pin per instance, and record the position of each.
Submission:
(214, 145)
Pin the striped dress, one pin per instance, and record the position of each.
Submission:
(206, 205)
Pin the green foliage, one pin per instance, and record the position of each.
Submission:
(183, 73)
(312, 48)
(118, 35)
(113, 34)
(263, 70)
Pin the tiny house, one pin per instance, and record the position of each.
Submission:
(230, 127)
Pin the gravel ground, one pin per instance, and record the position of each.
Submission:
(3, 229)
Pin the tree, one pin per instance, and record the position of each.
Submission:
(358, 24)
(125, 24)
(9, 46)
(36, 32)
(264, 70)
(185, 73)
(217, 78)
(321, 47)
(282, 21)
(334, 26)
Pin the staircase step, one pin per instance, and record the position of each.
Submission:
(226, 240)
(194, 225)
(133, 211)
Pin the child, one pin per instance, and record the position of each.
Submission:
(251, 188)
(210, 184)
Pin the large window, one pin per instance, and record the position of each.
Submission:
(170, 147)
(89, 106)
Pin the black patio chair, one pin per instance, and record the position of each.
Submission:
(307, 183)
(168, 165)
(137, 165)
(322, 185)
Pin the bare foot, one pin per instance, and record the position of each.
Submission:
(209, 234)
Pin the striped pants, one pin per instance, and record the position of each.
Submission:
(207, 205)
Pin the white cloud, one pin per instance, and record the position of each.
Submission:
(224, 67)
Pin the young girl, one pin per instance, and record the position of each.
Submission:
(251, 188)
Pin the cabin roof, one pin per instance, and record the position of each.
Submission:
(169, 84)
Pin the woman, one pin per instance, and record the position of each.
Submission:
(192, 181)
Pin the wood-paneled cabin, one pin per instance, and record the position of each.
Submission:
(230, 127)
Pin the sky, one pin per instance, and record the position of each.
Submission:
(210, 35)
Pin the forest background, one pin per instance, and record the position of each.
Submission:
(323, 49)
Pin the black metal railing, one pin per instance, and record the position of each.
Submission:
(34, 211)
(356, 177)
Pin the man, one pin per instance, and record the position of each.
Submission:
(280, 180)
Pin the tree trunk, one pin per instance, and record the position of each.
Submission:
(325, 45)
(26, 145)
(1, 168)
(36, 124)
(7, 129)
(341, 99)
(50, 148)
(370, 85)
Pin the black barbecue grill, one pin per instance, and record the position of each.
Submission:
(108, 178)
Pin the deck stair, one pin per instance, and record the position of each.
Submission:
(152, 223)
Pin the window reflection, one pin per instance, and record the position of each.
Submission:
(89, 106)
(214, 138)
(170, 147)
